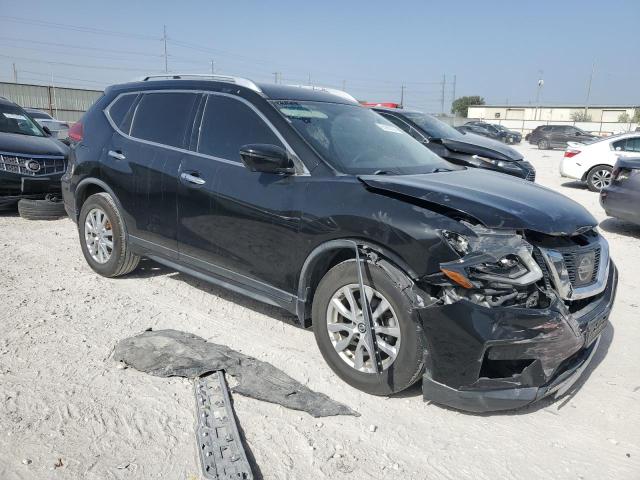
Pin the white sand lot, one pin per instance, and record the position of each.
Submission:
(67, 412)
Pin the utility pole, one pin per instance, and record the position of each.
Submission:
(540, 85)
(309, 78)
(276, 75)
(402, 96)
(166, 59)
(586, 103)
(453, 91)
(15, 74)
(444, 82)
(212, 69)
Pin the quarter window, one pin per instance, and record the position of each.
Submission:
(121, 112)
(164, 117)
(227, 125)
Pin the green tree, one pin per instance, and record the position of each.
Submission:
(624, 118)
(580, 117)
(636, 115)
(460, 106)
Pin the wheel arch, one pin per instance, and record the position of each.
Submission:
(327, 255)
(89, 186)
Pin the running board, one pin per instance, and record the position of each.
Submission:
(222, 454)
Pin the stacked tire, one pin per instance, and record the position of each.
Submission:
(51, 208)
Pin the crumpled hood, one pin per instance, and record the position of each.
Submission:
(29, 145)
(473, 144)
(495, 199)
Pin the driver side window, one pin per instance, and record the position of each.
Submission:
(228, 124)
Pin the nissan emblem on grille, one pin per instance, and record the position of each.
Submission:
(585, 270)
(33, 165)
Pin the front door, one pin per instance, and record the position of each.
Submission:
(243, 224)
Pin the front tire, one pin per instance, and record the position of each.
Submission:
(103, 237)
(599, 177)
(337, 315)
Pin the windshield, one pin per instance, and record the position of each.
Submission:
(14, 120)
(432, 126)
(357, 140)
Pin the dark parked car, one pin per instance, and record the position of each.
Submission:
(492, 290)
(465, 149)
(621, 199)
(31, 164)
(491, 130)
(552, 136)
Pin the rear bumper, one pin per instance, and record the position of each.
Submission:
(483, 359)
(570, 169)
(621, 203)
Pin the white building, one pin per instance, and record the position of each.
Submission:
(549, 113)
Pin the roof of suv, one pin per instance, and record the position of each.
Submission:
(267, 90)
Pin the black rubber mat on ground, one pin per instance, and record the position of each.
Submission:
(169, 353)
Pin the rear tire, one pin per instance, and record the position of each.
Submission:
(408, 364)
(51, 208)
(544, 144)
(103, 237)
(599, 177)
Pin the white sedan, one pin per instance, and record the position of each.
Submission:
(593, 162)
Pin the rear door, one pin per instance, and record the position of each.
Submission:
(143, 163)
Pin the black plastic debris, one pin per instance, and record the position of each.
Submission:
(169, 353)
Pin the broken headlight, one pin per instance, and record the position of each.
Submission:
(491, 258)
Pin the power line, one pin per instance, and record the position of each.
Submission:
(99, 67)
(76, 28)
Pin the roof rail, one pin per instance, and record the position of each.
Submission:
(243, 82)
(333, 91)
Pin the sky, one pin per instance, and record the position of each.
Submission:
(496, 49)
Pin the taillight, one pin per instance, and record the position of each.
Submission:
(571, 153)
(75, 132)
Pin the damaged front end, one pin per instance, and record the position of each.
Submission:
(516, 318)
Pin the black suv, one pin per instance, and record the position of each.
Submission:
(491, 289)
(552, 136)
(31, 162)
(461, 148)
(491, 130)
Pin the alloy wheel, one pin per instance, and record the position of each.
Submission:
(347, 331)
(98, 235)
(601, 179)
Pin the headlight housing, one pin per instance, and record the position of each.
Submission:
(480, 161)
(491, 258)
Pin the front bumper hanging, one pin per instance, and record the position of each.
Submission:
(543, 351)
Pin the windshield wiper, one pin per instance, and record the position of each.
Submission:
(385, 172)
(440, 170)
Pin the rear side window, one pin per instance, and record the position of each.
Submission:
(227, 125)
(628, 145)
(121, 112)
(164, 117)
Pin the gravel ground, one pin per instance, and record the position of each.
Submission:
(67, 411)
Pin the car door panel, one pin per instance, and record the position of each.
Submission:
(243, 224)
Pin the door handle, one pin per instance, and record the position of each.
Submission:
(117, 155)
(189, 178)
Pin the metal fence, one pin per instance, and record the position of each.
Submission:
(61, 102)
(597, 128)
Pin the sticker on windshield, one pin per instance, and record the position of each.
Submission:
(14, 116)
(388, 128)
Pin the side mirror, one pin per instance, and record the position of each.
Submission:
(260, 157)
(46, 130)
